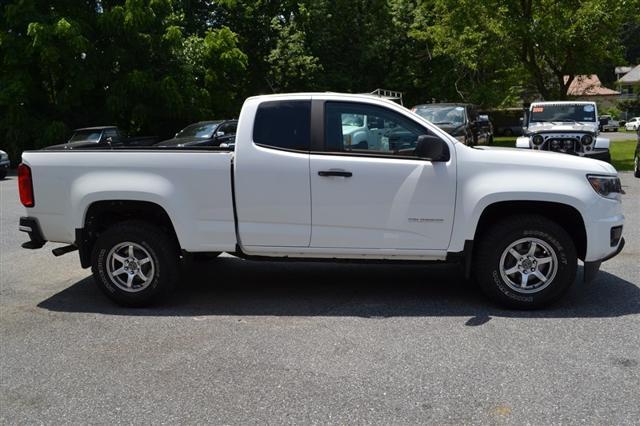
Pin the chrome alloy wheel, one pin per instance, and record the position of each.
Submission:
(130, 267)
(528, 265)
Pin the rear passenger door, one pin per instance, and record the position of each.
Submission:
(272, 188)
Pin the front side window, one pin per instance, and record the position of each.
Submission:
(86, 135)
(283, 124)
(231, 128)
(361, 128)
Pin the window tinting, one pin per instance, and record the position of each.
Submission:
(86, 135)
(283, 124)
(198, 130)
(231, 128)
(361, 128)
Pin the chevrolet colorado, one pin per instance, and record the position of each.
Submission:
(298, 186)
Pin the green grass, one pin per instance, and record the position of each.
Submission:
(621, 151)
(622, 154)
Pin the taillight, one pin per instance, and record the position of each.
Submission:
(25, 185)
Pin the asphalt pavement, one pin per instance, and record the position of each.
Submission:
(246, 342)
(619, 136)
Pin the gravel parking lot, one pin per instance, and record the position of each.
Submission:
(246, 342)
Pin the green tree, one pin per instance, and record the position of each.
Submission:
(292, 66)
(547, 39)
(141, 64)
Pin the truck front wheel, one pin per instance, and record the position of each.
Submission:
(134, 263)
(526, 261)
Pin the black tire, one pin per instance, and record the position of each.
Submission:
(636, 171)
(493, 246)
(507, 132)
(161, 251)
(3, 173)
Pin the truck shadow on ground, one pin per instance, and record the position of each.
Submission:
(231, 286)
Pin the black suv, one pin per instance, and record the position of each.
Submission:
(459, 120)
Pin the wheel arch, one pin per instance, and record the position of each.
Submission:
(100, 215)
(565, 215)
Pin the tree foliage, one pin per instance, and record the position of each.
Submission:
(153, 66)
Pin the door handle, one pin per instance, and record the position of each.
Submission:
(341, 173)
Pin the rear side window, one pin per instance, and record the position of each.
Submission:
(283, 124)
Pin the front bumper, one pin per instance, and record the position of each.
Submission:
(591, 268)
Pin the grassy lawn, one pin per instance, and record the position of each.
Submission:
(621, 151)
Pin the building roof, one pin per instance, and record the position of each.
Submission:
(632, 76)
(588, 85)
(622, 70)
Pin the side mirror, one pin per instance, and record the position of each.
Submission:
(432, 148)
(109, 140)
(219, 133)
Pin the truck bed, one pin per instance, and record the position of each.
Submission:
(192, 186)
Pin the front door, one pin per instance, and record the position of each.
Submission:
(376, 194)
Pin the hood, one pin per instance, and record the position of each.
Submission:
(184, 142)
(556, 126)
(523, 158)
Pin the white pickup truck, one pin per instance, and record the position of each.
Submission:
(297, 188)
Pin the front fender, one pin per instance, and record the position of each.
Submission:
(602, 143)
(493, 176)
(523, 142)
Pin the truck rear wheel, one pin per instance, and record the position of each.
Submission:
(134, 263)
(525, 262)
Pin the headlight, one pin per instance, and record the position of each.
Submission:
(568, 144)
(587, 139)
(537, 140)
(606, 186)
(555, 144)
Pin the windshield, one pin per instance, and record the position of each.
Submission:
(442, 114)
(199, 130)
(86, 135)
(562, 113)
(356, 120)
